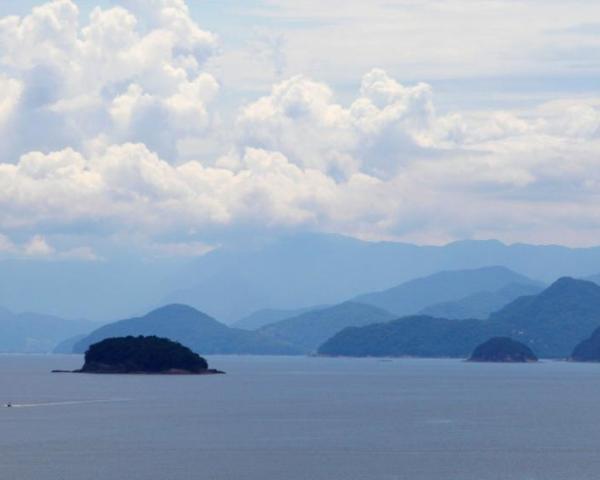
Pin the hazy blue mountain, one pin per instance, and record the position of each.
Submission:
(416, 336)
(310, 329)
(267, 316)
(192, 328)
(119, 286)
(241, 277)
(556, 319)
(594, 278)
(329, 269)
(415, 295)
(481, 304)
(551, 323)
(36, 333)
(67, 345)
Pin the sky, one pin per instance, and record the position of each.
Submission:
(169, 128)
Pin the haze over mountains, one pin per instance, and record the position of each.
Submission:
(552, 323)
(289, 280)
(415, 295)
(481, 304)
(191, 328)
(266, 316)
(36, 333)
(310, 329)
(303, 330)
(288, 272)
(329, 269)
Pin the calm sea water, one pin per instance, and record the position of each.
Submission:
(302, 418)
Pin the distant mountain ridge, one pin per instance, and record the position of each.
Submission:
(310, 263)
(191, 328)
(415, 295)
(310, 329)
(35, 332)
(480, 305)
(412, 336)
(556, 319)
(266, 316)
(551, 323)
(281, 272)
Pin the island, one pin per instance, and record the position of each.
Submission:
(502, 349)
(588, 350)
(150, 355)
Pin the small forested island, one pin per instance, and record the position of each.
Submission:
(502, 349)
(588, 350)
(141, 354)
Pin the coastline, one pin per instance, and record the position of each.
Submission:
(210, 371)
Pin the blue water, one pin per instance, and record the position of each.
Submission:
(302, 418)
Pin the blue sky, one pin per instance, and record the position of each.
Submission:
(169, 127)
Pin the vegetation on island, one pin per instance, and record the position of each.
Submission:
(142, 355)
(502, 349)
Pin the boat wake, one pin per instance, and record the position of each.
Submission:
(62, 403)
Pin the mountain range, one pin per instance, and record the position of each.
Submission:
(36, 333)
(310, 329)
(277, 278)
(192, 328)
(418, 294)
(551, 323)
(266, 316)
(330, 269)
(284, 272)
(481, 304)
(306, 329)
(299, 330)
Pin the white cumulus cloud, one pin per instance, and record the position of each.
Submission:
(116, 75)
(376, 133)
(111, 123)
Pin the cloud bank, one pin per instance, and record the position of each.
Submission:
(97, 118)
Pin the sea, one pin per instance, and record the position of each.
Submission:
(292, 418)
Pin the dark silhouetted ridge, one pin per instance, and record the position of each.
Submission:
(142, 355)
(502, 349)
